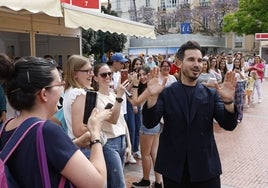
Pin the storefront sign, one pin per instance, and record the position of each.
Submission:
(91, 4)
(261, 36)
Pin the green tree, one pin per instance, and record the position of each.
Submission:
(250, 18)
(98, 42)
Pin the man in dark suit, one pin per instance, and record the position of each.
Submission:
(187, 154)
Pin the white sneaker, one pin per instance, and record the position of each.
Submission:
(137, 154)
(132, 160)
(259, 101)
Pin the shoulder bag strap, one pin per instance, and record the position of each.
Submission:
(42, 160)
(17, 137)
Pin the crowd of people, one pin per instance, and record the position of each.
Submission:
(249, 74)
(152, 115)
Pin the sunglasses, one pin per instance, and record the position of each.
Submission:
(104, 74)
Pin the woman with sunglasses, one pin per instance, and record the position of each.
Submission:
(78, 75)
(115, 128)
(34, 87)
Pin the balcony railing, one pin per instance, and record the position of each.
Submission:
(205, 4)
(162, 8)
(185, 5)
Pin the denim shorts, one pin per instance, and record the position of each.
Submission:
(152, 131)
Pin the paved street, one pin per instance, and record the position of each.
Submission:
(243, 152)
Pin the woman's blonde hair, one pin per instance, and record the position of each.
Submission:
(74, 62)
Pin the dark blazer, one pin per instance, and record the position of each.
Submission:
(188, 131)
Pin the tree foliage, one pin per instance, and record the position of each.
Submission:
(98, 42)
(250, 18)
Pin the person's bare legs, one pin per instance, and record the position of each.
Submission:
(146, 143)
(158, 177)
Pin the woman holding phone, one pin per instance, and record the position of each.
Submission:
(206, 77)
(78, 76)
(115, 128)
(134, 115)
(34, 87)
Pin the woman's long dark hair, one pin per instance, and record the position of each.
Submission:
(142, 86)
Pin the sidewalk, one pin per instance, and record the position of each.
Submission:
(243, 152)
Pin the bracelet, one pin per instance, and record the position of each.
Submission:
(135, 87)
(228, 102)
(94, 142)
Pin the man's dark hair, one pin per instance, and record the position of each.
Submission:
(190, 45)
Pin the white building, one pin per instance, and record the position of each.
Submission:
(160, 13)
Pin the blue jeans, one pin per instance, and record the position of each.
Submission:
(86, 152)
(134, 124)
(114, 152)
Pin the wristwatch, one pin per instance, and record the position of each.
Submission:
(119, 99)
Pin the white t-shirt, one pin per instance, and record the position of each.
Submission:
(115, 80)
(70, 96)
(111, 130)
(229, 66)
(171, 79)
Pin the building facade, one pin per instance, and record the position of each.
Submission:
(201, 20)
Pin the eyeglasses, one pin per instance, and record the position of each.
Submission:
(88, 71)
(54, 85)
(104, 74)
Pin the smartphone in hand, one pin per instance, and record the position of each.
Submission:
(124, 75)
(128, 93)
(90, 104)
(212, 81)
(108, 106)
